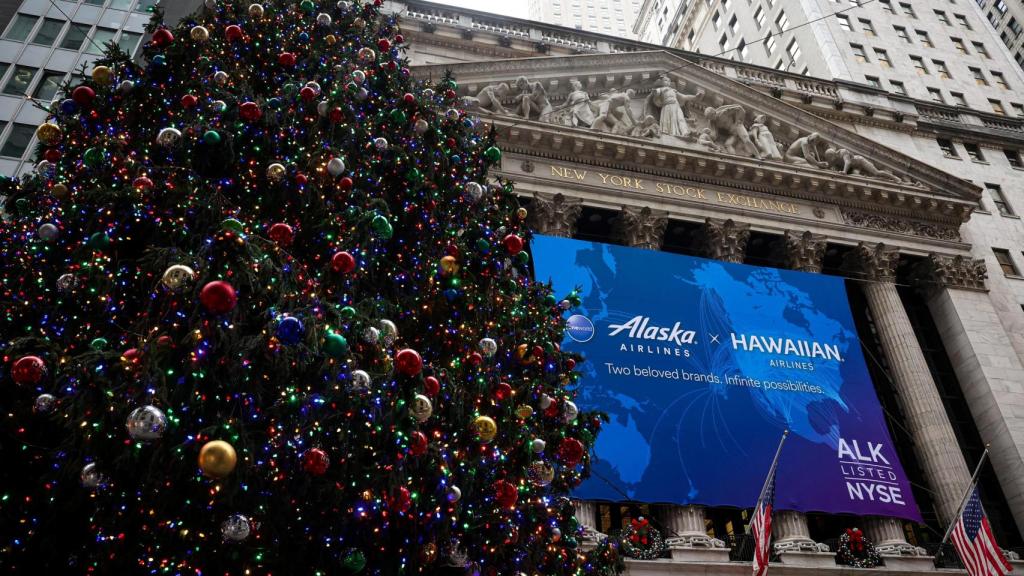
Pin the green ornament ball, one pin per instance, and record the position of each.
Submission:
(211, 137)
(382, 226)
(354, 561)
(492, 154)
(98, 344)
(348, 312)
(550, 300)
(335, 345)
(307, 6)
(21, 205)
(99, 240)
(232, 224)
(523, 257)
(398, 117)
(483, 245)
(414, 175)
(93, 157)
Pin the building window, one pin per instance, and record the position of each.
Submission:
(974, 152)
(941, 68)
(844, 22)
(782, 21)
(94, 2)
(48, 85)
(741, 50)
(958, 99)
(918, 63)
(48, 32)
(942, 17)
(883, 58)
(716, 20)
(959, 45)
(858, 53)
(780, 65)
(936, 95)
(980, 49)
(1018, 109)
(979, 76)
(898, 87)
(1014, 26)
(1005, 262)
(145, 5)
(873, 81)
(793, 49)
(867, 26)
(924, 38)
(19, 81)
(996, 192)
(734, 24)
(999, 79)
(723, 43)
(902, 33)
(120, 4)
(74, 37)
(17, 142)
(887, 6)
(947, 147)
(962, 20)
(20, 28)
(997, 107)
(759, 17)
(128, 41)
(908, 9)
(1013, 157)
(100, 36)
(769, 45)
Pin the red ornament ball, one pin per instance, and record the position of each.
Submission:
(503, 391)
(189, 101)
(343, 262)
(384, 44)
(131, 358)
(399, 39)
(431, 386)
(142, 183)
(163, 37)
(52, 155)
(83, 95)
(408, 362)
(301, 179)
(505, 494)
(400, 500)
(409, 98)
(345, 183)
(475, 359)
(282, 234)
(513, 243)
(286, 59)
(570, 451)
(417, 443)
(307, 93)
(250, 111)
(233, 32)
(315, 462)
(218, 297)
(336, 115)
(570, 363)
(28, 370)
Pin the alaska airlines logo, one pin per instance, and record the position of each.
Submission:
(640, 327)
(579, 328)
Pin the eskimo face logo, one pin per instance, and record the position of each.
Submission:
(579, 328)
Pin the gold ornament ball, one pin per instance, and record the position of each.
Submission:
(521, 213)
(217, 459)
(276, 171)
(331, 39)
(200, 33)
(524, 411)
(59, 191)
(449, 265)
(485, 427)
(49, 133)
(358, 24)
(256, 11)
(103, 75)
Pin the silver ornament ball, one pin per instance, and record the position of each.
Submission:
(421, 408)
(474, 191)
(47, 232)
(44, 404)
(177, 277)
(91, 477)
(538, 445)
(236, 528)
(454, 494)
(168, 137)
(371, 335)
(488, 347)
(388, 332)
(336, 167)
(146, 423)
(360, 380)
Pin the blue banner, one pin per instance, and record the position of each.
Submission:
(701, 365)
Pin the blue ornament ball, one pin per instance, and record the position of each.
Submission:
(290, 330)
(68, 106)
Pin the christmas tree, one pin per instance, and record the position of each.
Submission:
(262, 311)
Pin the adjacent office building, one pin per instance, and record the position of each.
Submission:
(613, 17)
(1007, 18)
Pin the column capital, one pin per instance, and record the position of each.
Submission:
(641, 227)
(725, 240)
(805, 251)
(874, 261)
(888, 537)
(940, 271)
(555, 214)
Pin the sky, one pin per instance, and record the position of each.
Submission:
(507, 7)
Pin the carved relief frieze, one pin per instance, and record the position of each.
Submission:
(900, 225)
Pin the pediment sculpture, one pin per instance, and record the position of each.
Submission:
(664, 111)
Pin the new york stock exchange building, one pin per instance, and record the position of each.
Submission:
(755, 251)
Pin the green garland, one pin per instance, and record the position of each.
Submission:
(857, 551)
(642, 541)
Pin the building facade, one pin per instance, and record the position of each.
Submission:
(1007, 18)
(44, 43)
(915, 202)
(657, 21)
(613, 17)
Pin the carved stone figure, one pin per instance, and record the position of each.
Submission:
(667, 105)
(489, 98)
(849, 163)
(763, 138)
(804, 151)
(583, 111)
(647, 129)
(727, 123)
(532, 100)
(706, 140)
(617, 117)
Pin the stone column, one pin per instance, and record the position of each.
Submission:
(982, 355)
(641, 228)
(725, 240)
(554, 214)
(688, 539)
(888, 537)
(934, 441)
(586, 516)
(805, 251)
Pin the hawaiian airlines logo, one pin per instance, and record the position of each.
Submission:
(579, 328)
(640, 327)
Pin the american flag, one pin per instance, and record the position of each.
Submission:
(761, 525)
(974, 542)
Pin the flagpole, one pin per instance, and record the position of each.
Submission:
(963, 501)
(775, 462)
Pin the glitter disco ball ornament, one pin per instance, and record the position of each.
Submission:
(146, 423)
